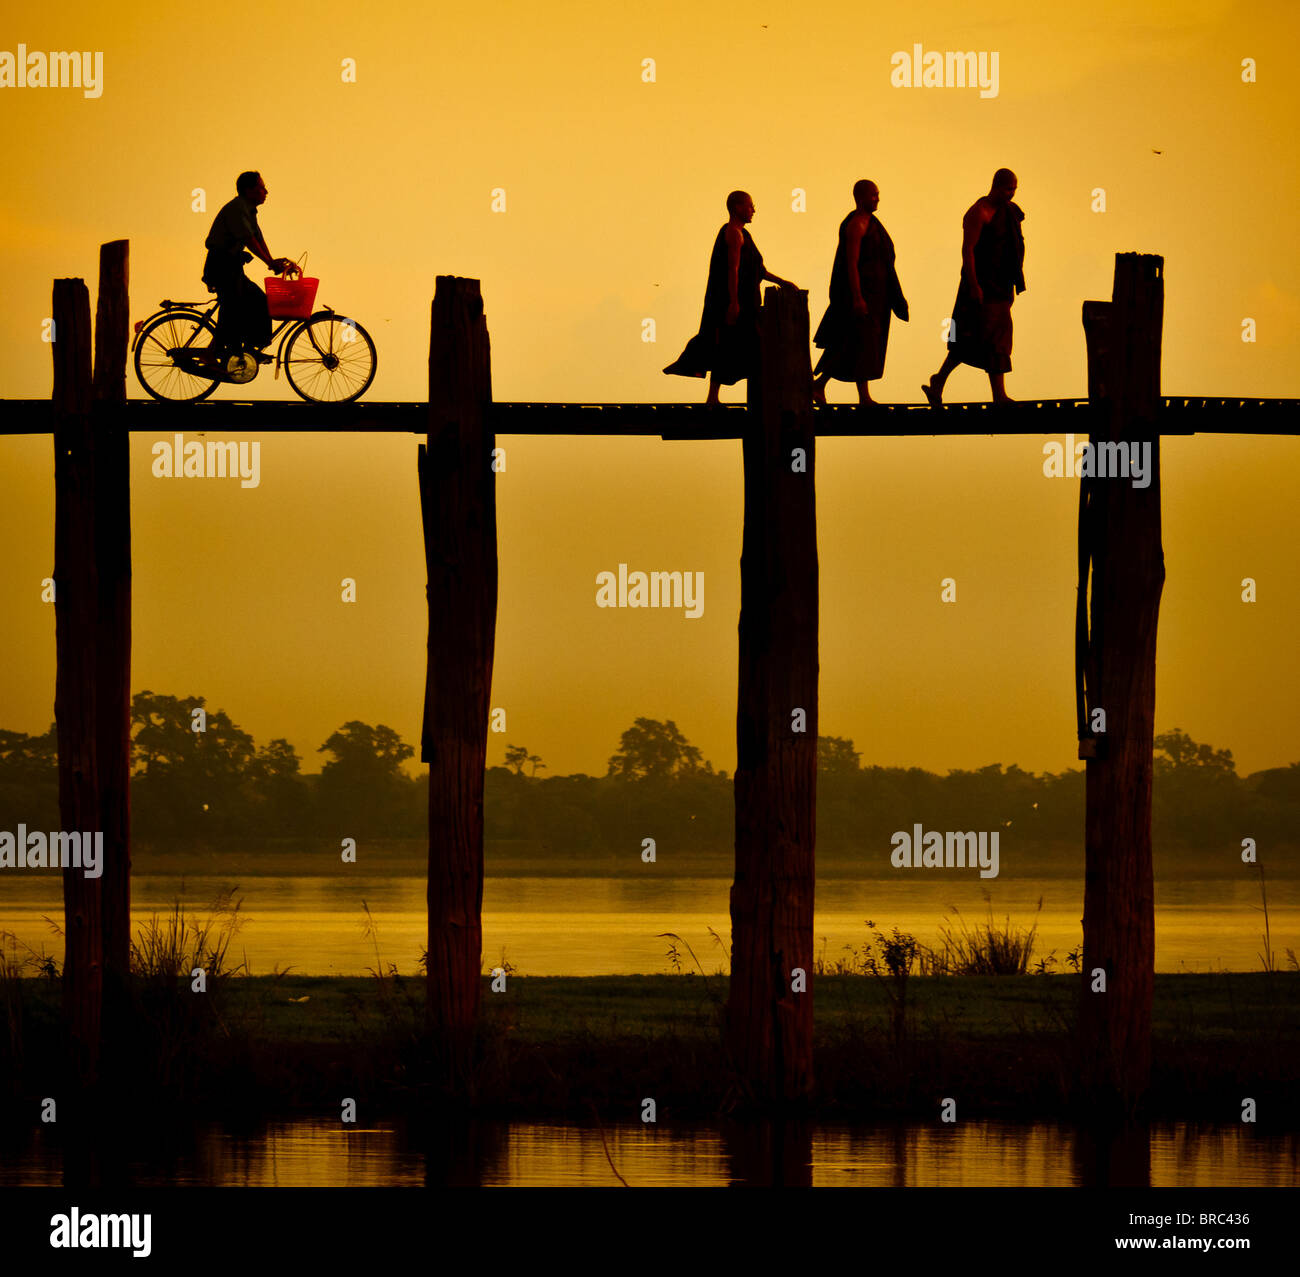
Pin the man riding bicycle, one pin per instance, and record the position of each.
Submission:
(243, 320)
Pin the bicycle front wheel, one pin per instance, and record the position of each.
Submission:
(330, 359)
(174, 331)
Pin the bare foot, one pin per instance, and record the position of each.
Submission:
(933, 396)
(819, 394)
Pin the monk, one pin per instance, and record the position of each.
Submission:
(865, 290)
(992, 273)
(726, 347)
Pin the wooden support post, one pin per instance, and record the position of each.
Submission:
(458, 502)
(112, 486)
(1120, 530)
(769, 1025)
(76, 608)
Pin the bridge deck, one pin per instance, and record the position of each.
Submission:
(675, 421)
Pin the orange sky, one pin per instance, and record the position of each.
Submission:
(614, 191)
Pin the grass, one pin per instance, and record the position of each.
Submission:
(1213, 1008)
(555, 1045)
(21, 966)
(177, 1013)
(173, 945)
(894, 1028)
(1268, 958)
(985, 948)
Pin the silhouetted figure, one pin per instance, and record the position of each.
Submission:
(727, 344)
(992, 272)
(243, 320)
(865, 291)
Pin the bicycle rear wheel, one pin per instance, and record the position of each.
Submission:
(155, 364)
(330, 359)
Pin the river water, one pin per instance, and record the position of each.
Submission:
(613, 926)
(990, 1154)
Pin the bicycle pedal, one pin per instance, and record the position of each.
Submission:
(240, 369)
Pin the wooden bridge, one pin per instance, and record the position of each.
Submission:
(770, 1008)
(669, 421)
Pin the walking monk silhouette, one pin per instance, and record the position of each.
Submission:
(854, 332)
(992, 272)
(727, 344)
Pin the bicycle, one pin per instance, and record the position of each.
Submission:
(326, 357)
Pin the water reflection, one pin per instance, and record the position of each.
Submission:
(969, 1154)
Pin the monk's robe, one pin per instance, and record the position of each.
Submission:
(854, 345)
(728, 351)
(980, 335)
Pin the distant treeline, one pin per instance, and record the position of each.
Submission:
(190, 784)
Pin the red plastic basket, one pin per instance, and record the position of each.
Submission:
(291, 298)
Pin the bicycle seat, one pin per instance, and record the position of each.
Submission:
(168, 304)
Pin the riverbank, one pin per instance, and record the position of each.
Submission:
(237, 859)
(566, 1046)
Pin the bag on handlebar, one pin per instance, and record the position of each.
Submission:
(291, 298)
